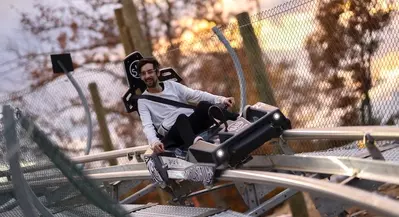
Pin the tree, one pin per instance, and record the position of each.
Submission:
(341, 50)
(89, 30)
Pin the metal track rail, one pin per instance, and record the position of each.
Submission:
(369, 201)
(84, 159)
(373, 170)
(100, 177)
(110, 154)
(343, 133)
(336, 133)
(374, 202)
(382, 171)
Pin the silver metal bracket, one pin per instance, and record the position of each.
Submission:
(248, 194)
(285, 148)
(149, 188)
(372, 148)
(253, 193)
(135, 157)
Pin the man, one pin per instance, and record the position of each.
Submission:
(177, 126)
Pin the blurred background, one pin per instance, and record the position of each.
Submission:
(323, 63)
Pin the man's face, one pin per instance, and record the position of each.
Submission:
(149, 75)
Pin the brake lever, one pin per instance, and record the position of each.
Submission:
(220, 113)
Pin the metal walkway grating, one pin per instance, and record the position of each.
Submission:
(167, 210)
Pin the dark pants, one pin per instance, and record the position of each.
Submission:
(185, 129)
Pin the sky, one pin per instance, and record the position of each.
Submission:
(10, 32)
(9, 22)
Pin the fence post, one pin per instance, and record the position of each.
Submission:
(98, 108)
(254, 55)
(132, 22)
(298, 205)
(124, 32)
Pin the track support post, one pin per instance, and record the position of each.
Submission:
(248, 194)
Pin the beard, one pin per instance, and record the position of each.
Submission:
(150, 83)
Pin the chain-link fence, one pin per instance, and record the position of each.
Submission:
(324, 64)
(58, 110)
(290, 58)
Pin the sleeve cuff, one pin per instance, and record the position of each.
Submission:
(220, 99)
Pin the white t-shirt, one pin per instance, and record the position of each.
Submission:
(163, 116)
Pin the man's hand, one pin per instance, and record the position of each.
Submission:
(229, 101)
(158, 147)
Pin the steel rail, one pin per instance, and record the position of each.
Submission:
(381, 171)
(19, 187)
(82, 97)
(343, 133)
(377, 132)
(370, 201)
(101, 177)
(109, 154)
(337, 133)
(237, 65)
(83, 159)
(37, 180)
(23, 192)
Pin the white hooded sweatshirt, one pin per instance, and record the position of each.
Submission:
(163, 116)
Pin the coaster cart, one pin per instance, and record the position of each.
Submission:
(227, 144)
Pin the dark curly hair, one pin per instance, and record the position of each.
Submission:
(146, 60)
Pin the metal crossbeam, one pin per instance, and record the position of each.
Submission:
(139, 193)
(271, 203)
